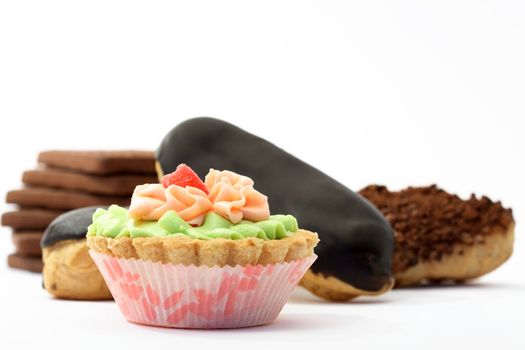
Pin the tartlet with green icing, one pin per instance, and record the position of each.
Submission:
(221, 221)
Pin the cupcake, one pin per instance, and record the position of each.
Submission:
(193, 254)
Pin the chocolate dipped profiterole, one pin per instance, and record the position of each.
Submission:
(356, 242)
(69, 272)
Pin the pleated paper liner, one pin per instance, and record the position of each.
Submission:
(181, 296)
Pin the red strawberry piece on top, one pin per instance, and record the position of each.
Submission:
(184, 176)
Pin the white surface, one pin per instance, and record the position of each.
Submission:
(400, 93)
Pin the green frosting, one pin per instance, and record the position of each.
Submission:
(115, 222)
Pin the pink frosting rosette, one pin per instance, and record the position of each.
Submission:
(151, 201)
(234, 197)
(230, 195)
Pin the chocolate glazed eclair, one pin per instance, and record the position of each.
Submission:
(69, 272)
(356, 242)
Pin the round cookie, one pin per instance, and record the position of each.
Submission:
(440, 237)
(356, 242)
(69, 272)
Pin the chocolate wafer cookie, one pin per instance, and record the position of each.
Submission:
(27, 243)
(29, 218)
(59, 199)
(101, 162)
(25, 263)
(96, 184)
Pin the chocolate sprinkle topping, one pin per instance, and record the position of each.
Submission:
(428, 221)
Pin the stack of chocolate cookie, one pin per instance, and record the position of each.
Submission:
(67, 180)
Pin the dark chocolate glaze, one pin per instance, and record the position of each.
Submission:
(356, 242)
(70, 225)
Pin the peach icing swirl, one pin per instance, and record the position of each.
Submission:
(151, 201)
(234, 197)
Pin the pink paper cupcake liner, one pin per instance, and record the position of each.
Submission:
(181, 296)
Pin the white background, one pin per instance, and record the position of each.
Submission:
(396, 93)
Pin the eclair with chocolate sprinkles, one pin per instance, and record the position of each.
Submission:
(438, 236)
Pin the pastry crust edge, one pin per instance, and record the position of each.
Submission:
(333, 289)
(215, 252)
(69, 272)
(464, 263)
